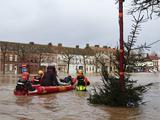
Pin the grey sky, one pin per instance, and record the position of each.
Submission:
(70, 22)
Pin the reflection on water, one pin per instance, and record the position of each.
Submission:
(74, 105)
(123, 113)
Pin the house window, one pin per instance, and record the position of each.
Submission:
(11, 58)
(10, 67)
(15, 58)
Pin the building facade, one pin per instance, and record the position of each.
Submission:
(66, 59)
(152, 63)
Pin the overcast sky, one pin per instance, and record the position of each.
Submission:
(70, 22)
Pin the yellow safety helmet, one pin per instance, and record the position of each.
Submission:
(40, 72)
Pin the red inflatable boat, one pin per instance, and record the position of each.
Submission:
(44, 90)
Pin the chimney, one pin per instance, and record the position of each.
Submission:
(59, 44)
(50, 44)
(77, 46)
(105, 46)
(31, 43)
(87, 45)
(97, 46)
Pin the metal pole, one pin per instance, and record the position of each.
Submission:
(122, 83)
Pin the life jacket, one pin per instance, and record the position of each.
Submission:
(82, 81)
(21, 84)
(81, 88)
(24, 85)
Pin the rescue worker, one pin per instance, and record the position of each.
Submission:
(81, 81)
(23, 84)
(39, 78)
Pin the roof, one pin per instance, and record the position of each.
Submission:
(75, 51)
(152, 57)
(39, 48)
(102, 49)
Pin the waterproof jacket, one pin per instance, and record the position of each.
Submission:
(49, 79)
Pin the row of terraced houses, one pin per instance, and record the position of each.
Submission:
(66, 59)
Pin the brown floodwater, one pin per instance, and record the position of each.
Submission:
(73, 105)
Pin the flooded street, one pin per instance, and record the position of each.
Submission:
(73, 105)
